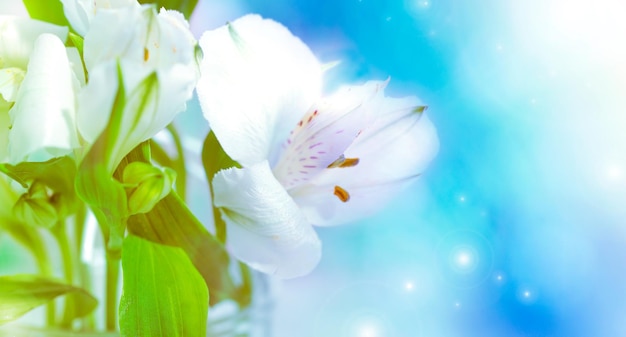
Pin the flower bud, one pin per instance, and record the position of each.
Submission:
(147, 185)
(34, 207)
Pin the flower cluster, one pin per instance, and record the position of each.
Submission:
(79, 106)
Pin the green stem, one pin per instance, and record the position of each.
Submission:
(181, 170)
(113, 272)
(45, 267)
(32, 240)
(65, 246)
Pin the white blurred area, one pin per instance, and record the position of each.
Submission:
(556, 70)
(12, 7)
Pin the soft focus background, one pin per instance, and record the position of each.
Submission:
(519, 226)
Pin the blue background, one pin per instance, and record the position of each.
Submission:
(517, 228)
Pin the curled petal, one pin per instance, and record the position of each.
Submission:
(266, 229)
(394, 151)
(43, 117)
(257, 80)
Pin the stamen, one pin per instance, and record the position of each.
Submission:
(343, 162)
(342, 194)
(420, 109)
(146, 54)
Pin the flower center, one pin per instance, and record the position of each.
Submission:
(316, 144)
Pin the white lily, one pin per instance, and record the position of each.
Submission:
(305, 160)
(37, 85)
(159, 45)
(80, 13)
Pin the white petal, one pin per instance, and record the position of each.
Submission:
(95, 101)
(323, 208)
(265, 228)
(43, 117)
(114, 34)
(155, 40)
(393, 152)
(80, 13)
(10, 81)
(17, 38)
(325, 133)
(77, 66)
(257, 80)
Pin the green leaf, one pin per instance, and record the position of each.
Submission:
(184, 6)
(214, 158)
(163, 293)
(21, 293)
(57, 174)
(46, 10)
(171, 223)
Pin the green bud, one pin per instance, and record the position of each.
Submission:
(34, 207)
(146, 185)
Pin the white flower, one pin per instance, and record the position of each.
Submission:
(305, 159)
(145, 46)
(80, 13)
(37, 87)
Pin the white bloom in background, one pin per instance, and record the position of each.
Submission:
(80, 13)
(37, 88)
(143, 44)
(305, 160)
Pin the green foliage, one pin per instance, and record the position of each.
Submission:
(21, 293)
(184, 6)
(163, 293)
(46, 10)
(214, 158)
(56, 174)
(171, 223)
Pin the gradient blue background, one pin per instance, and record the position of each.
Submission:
(518, 228)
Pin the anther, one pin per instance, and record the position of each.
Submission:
(343, 162)
(342, 194)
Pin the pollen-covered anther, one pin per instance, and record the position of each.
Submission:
(343, 162)
(342, 194)
(146, 54)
